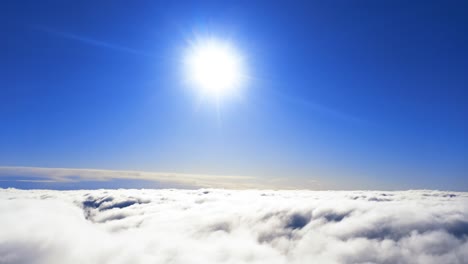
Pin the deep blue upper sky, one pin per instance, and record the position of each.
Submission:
(351, 94)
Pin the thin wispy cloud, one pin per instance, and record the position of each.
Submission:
(64, 175)
(322, 109)
(277, 90)
(90, 41)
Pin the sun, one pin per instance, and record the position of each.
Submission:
(214, 67)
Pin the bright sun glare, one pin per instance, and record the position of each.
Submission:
(214, 67)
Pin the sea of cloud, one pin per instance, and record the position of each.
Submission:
(226, 226)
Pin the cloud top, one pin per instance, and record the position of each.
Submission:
(228, 226)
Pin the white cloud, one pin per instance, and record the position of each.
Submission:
(225, 226)
(170, 179)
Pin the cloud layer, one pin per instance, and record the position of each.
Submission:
(54, 178)
(225, 226)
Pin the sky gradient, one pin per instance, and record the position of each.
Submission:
(341, 94)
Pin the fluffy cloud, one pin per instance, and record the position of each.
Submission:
(225, 226)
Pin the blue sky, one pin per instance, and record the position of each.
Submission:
(345, 94)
